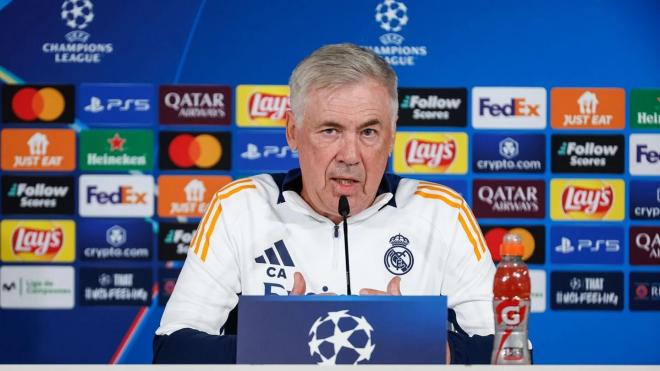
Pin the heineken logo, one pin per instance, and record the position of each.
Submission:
(116, 150)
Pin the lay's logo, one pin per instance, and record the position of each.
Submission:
(587, 199)
(270, 106)
(430, 153)
(262, 105)
(38, 240)
(44, 242)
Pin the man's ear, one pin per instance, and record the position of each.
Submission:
(291, 130)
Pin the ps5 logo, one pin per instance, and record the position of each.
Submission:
(566, 246)
(252, 152)
(115, 104)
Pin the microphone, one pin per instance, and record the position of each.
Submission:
(344, 209)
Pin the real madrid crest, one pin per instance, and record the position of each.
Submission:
(398, 258)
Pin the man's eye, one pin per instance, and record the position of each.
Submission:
(329, 131)
(369, 132)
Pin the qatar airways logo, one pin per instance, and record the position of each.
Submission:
(430, 153)
(509, 198)
(200, 104)
(36, 241)
(270, 106)
(590, 201)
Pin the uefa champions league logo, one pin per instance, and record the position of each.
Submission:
(392, 15)
(340, 338)
(77, 14)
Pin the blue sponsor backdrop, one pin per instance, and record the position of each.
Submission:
(511, 43)
(116, 103)
(582, 244)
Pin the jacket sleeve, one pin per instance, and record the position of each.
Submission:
(468, 285)
(188, 346)
(205, 293)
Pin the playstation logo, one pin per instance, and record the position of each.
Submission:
(252, 152)
(566, 247)
(94, 105)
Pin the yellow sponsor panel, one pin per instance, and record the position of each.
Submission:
(38, 241)
(587, 199)
(262, 105)
(430, 153)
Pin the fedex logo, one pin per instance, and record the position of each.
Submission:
(517, 107)
(123, 195)
(127, 196)
(508, 108)
(644, 155)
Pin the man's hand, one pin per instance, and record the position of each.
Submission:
(393, 288)
(299, 285)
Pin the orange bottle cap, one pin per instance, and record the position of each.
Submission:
(512, 245)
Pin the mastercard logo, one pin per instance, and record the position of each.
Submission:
(187, 150)
(45, 104)
(495, 236)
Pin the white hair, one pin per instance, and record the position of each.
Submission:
(336, 65)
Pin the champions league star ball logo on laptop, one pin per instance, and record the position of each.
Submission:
(398, 258)
(340, 338)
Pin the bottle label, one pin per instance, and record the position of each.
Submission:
(510, 345)
(511, 313)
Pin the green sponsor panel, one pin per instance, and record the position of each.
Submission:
(113, 150)
(645, 108)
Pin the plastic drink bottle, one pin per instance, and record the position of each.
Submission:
(511, 293)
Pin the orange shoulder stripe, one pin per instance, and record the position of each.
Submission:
(466, 230)
(466, 211)
(207, 229)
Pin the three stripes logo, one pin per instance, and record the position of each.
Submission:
(279, 255)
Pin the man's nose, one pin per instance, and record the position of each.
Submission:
(349, 153)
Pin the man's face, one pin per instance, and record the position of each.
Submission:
(343, 141)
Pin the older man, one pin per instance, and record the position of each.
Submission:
(279, 233)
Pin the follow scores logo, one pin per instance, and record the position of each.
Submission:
(38, 103)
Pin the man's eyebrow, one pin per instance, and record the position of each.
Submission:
(369, 123)
(336, 125)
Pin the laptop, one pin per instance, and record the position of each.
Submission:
(332, 330)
